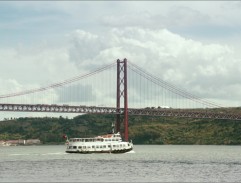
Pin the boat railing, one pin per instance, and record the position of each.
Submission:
(94, 139)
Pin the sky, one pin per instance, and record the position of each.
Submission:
(192, 44)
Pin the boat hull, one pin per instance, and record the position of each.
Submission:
(119, 151)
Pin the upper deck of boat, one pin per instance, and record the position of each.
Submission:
(103, 138)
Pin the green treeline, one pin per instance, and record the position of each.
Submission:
(142, 129)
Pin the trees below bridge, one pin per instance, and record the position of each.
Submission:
(142, 129)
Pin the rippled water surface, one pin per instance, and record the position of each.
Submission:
(148, 163)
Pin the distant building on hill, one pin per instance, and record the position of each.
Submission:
(20, 142)
(32, 142)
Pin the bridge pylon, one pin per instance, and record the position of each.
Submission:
(122, 93)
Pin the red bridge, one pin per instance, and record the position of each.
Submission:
(147, 94)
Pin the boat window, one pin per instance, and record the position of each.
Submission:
(97, 146)
(108, 145)
(84, 147)
(79, 147)
(74, 147)
(100, 146)
(113, 145)
(93, 146)
(104, 146)
(113, 139)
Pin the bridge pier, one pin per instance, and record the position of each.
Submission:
(122, 92)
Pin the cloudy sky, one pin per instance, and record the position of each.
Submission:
(192, 44)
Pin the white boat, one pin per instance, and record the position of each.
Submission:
(109, 143)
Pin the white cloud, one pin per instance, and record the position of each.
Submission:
(41, 63)
(188, 63)
(200, 68)
(192, 44)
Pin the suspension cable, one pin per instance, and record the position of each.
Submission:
(58, 84)
(170, 87)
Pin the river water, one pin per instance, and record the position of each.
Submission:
(148, 163)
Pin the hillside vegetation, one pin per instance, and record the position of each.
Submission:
(142, 129)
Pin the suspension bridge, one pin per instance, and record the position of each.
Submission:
(120, 88)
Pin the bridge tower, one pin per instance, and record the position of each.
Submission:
(122, 93)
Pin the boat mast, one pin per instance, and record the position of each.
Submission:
(113, 127)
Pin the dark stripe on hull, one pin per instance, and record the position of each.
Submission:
(90, 152)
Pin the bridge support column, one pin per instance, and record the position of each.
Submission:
(122, 92)
(118, 95)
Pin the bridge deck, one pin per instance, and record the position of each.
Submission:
(187, 113)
